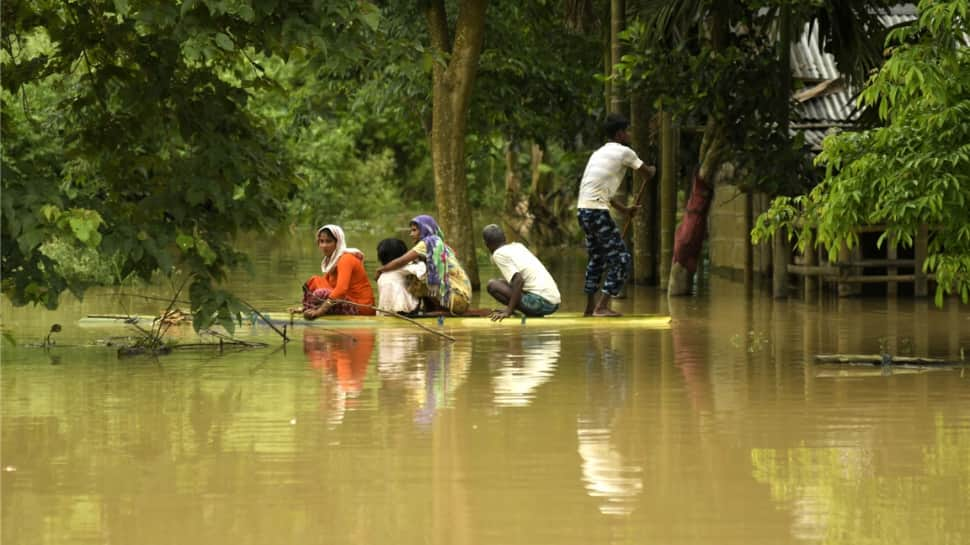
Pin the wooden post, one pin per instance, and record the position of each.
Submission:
(848, 257)
(920, 249)
(810, 282)
(779, 265)
(748, 248)
(668, 194)
(892, 288)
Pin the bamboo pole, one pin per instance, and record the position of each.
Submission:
(395, 315)
(668, 195)
(748, 247)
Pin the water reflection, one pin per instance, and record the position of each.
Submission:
(428, 370)
(607, 473)
(342, 358)
(529, 362)
(719, 430)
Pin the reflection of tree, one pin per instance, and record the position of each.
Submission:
(210, 416)
(606, 472)
(343, 357)
(834, 491)
(524, 367)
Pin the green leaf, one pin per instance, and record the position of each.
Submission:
(184, 241)
(225, 42)
(50, 212)
(205, 251)
(370, 16)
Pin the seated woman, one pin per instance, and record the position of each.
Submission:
(343, 279)
(399, 290)
(446, 280)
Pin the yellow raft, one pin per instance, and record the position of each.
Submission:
(569, 320)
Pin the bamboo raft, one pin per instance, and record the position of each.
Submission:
(559, 320)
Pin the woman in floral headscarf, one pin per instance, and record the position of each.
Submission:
(343, 279)
(447, 282)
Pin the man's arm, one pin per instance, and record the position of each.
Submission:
(645, 170)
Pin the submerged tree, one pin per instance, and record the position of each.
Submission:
(912, 172)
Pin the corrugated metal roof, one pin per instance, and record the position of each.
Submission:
(813, 138)
(837, 105)
(810, 63)
(834, 106)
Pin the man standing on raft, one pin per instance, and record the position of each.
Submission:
(597, 190)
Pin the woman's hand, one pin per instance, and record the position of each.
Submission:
(378, 273)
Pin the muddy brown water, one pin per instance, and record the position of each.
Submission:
(719, 430)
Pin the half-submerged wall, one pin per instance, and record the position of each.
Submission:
(728, 234)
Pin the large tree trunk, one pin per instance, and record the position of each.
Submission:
(690, 235)
(452, 86)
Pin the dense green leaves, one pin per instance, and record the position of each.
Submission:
(913, 171)
(128, 132)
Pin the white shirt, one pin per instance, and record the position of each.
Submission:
(392, 288)
(514, 258)
(603, 174)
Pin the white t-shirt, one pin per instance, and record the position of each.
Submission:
(514, 258)
(392, 288)
(603, 174)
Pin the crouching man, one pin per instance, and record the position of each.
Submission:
(526, 285)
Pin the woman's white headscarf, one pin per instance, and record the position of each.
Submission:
(329, 263)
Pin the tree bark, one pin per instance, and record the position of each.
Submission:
(689, 239)
(452, 83)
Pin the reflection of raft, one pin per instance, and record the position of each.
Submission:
(570, 320)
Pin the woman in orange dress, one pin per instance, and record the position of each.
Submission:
(344, 287)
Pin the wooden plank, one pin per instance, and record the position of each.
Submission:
(877, 359)
(813, 270)
(879, 263)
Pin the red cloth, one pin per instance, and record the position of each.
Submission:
(689, 238)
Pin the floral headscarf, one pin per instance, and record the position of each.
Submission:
(329, 263)
(438, 255)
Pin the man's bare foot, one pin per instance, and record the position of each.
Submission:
(606, 313)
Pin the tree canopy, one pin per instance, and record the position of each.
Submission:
(127, 137)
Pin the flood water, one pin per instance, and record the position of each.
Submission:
(720, 429)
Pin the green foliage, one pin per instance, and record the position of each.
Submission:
(338, 179)
(913, 171)
(127, 131)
